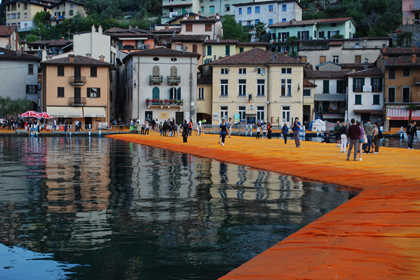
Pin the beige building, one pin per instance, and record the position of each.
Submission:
(257, 85)
(190, 43)
(215, 49)
(66, 9)
(204, 98)
(9, 36)
(308, 101)
(77, 88)
(22, 13)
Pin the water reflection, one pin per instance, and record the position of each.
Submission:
(116, 210)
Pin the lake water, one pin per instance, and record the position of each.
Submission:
(80, 208)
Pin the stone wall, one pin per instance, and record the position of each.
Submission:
(415, 28)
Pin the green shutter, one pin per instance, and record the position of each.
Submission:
(178, 95)
(155, 93)
(376, 99)
(227, 50)
(326, 86)
(358, 99)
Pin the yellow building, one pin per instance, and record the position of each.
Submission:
(77, 88)
(204, 98)
(308, 101)
(66, 9)
(22, 13)
(215, 49)
(257, 85)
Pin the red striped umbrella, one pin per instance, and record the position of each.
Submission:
(30, 114)
(44, 115)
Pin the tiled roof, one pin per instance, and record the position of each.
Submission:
(78, 60)
(307, 83)
(6, 54)
(312, 74)
(401, 50)
(70, 1)
(4, 30)
(257, 56)
(226, 41)
(189, 38)
(201, 20)
(253, 44)
(52, 42)
(336, 43)
(402, 61)
(169, 30)
(116, 30)
(310, 22)
(205, 80)
(366, 73)
(163, 52)
(356, 65)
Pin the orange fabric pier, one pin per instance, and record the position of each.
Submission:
(375, 235)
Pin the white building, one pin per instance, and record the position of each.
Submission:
(366, 95)
(160, 84)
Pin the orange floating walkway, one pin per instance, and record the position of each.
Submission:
(375, 235)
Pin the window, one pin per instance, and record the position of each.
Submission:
(322, 59)
(201, 93)
(240, 11)
(284, 8)
(405, 94)
(30, 69)
(286, 87)
(93, 92)
(155, 93)
(224, 71)
(391, 74)
(257, 21)
(333, 24)
(208, 27)
(224, 87)
(241, 49)
(227, 50)
(31, 88)
(286, 114)
(306, 92)
(211, 9)
(376, 84)
(270, 21)
(249, 23)
(357, 59)
(227, 8)
(249, 10)
(260, 87)
(25, 15)
(155, 71)
(314, 33)
(242, 87)
(358, 99)
(261, 71)
(8, 16)
(188, 27)
(93, 71)
(174, 71)
(71, 6)
(260, 113)
(358, 84)
(406, 72)
(286, 70)
(257, 9)
(208, 50)
(242, 71)
(376, 100)
(223, 113)
(341, 86)
(242, 112)
(71, 12)
(202, 10)
(60, 92)
(321, 34)
(391, 95)
(60, 71)
(283, 20)
(335, 58)
(270, 8)
(350, 24)
(326, 88)
(25, 6)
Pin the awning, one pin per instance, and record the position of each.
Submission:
(333, 116)
(65, 112)
(94, 112)
(329, 97)
(402, 114)
(372, 112)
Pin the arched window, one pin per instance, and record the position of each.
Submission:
(178, 96)
(174, 71)
(155, 94)
(172, 93)
(155, 71)
(195, 48)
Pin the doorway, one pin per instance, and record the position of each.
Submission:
(179, 117)
(148, 115)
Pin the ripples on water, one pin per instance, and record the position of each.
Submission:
(81, 208)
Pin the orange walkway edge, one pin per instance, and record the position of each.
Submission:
(375, 235)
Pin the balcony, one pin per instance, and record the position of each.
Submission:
(77, 80)
(77, 101)
(415, 7)
(164, 103)
(155, 80)
(174, 80)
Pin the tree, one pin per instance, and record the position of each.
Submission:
(233, 30)
(260, 30)
(42, 19)
(337, 36)
(14, 107)
(31, 38)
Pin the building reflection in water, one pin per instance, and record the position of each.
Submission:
(141, 210)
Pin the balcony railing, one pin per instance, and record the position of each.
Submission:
(156, 80)
(415, 7)
(357, 88)
(164, 102)
(174, 80)
(77, 80)
(77, 101)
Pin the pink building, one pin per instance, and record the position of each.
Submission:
(411, 11)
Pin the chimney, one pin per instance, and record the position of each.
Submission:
(414, 58)
(365, 66)
(9, 29)
(137, 27)
(100, 29)
(93, 28)
(197, 16)
(71, 57)
(413, 49)
(217, 16)
(166, 26)
(88, 54)
(184, 17)
(286, 53)
(102, 57)
(383, 49)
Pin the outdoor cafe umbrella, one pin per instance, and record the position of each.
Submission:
(44, 115)
(30, 114)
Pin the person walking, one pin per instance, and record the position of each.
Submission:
(223, 131)
(285, 132)
(362, 135)
(258, 130)
(185, 131)
(354, 135)
(337, 133)
(264, 130)
(343, 135)
(270, 130)
(368, 126)
(230, 126)
(296, 132)
(375, 135)
(411, 133)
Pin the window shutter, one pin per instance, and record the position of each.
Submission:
(155, 71)
(27, 89)
(329, 34)
(363, 81)
(298, 35)
(178, 96)
(155, 94)
(98, 94)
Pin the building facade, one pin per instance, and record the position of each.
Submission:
(9, 38)
(66, 9)
(215, 49)
(410, 11)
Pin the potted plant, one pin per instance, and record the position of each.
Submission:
(147, 101)
(166, 101)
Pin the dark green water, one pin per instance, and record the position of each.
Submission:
(75, 208)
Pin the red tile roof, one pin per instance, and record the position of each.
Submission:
(78, 60)
(189, 38)
(253, 44)
(257, 56)
(401, 61)
(225, 41)
(4, 30)
(52, 42)
(312, 74)
(310, 22)
(6, 54)
(307, 83)
(336, 43)
(163, 52)
(399, 50)
(366, 73)
(356, 65)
